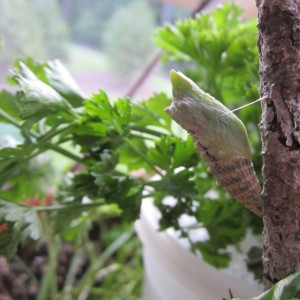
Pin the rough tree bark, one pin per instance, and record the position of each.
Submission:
(279, 50)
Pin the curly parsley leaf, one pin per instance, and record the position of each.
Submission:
(151, 112)
(172, 152)
(222, 48)
(23, 223)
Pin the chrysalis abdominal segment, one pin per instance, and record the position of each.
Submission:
(221, 138)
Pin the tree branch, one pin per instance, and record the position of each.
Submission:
(279, 50)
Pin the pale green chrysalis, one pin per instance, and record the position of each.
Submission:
(221, 138)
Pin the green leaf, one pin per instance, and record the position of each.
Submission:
(60, 80)
(103, 125)
(10, 156)
(103, 181)
(108, 118)
(8, 103)
(184, 153)
(121, 114)
(224, 222)
(177, 184)
(130, 159)
(82, 185)
(161, 154)
(108, 162)
(74, 222)
(254, 262)
(91, 128)
(38, 68)
(37, 99)
(287, 288)
(38, 175)
(120, 189)
(148, 123)
(116, 187)
(171, 152)
(151, 112)
(23, 224)
(212, 254)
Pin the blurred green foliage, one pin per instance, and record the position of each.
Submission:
(34, 28)
(13, 20)
(54, 28)
(128, 46)
(87, 19)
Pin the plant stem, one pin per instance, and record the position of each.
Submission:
(9, 118)
(70, 279)
(141, 135)
(144, 157)
(87, 281)
(67, 207)
(55, 148)
(66, 153)
(14, 122)
(53, 132)
(48, 285)
(147, 130)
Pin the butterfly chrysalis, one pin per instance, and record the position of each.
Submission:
(221, 138)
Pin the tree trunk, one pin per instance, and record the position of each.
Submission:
(279, 50)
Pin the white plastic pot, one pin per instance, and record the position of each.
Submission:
(172, 272)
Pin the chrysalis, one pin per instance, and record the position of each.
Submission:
(221, 138)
